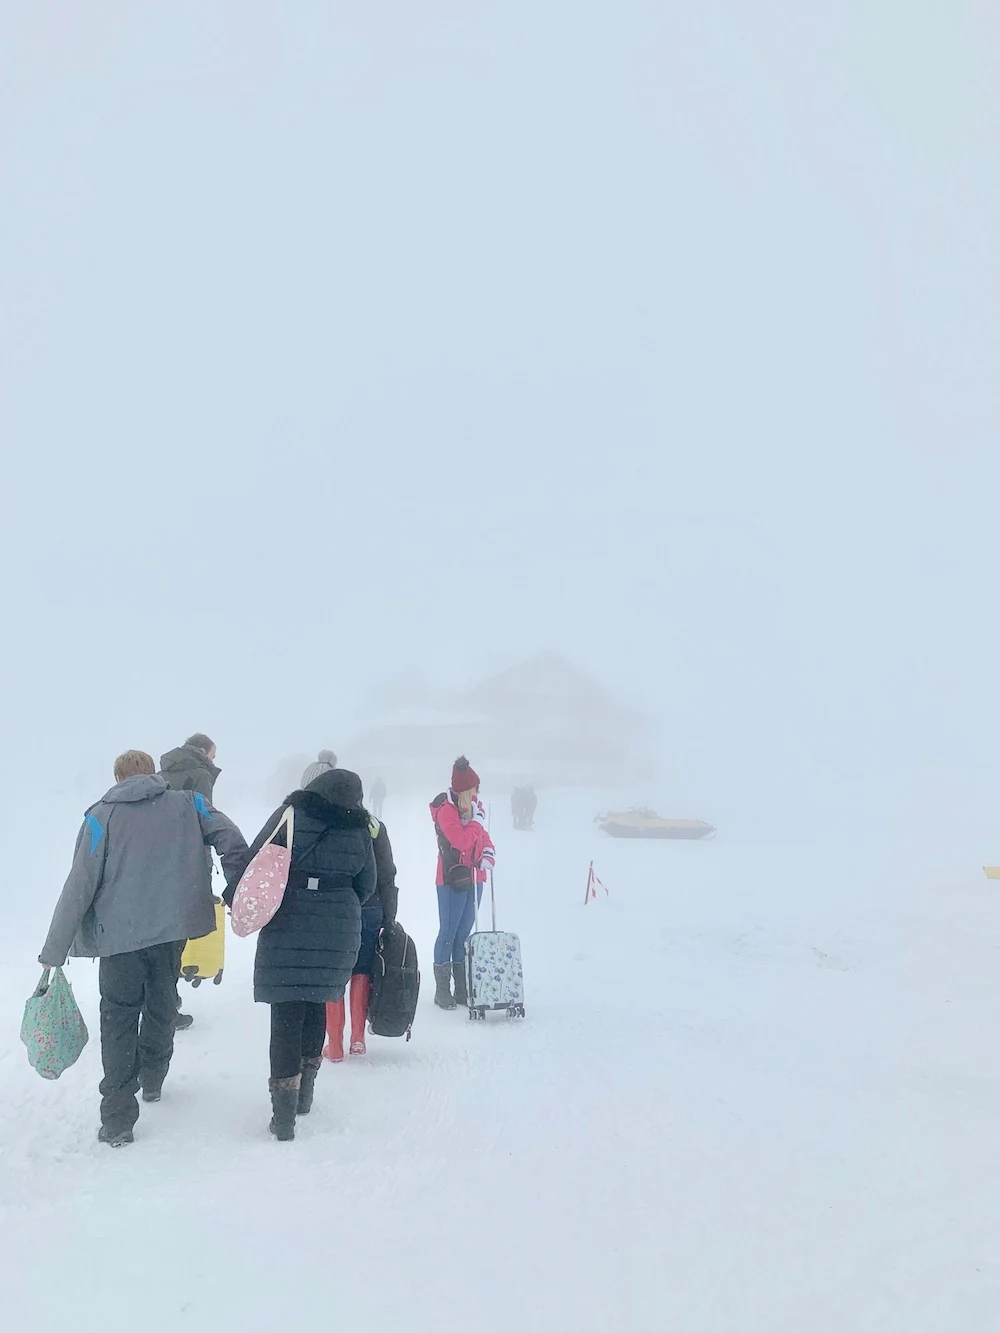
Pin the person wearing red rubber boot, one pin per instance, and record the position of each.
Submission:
(379, 911)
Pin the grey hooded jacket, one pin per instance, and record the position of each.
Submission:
(140, 876)
(189, 769)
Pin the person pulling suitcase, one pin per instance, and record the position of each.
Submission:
(465, 856)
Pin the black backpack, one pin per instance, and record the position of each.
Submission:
(395, 985)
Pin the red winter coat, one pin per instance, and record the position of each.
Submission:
(473, 844)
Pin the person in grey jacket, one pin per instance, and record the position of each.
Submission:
(138, 888)
(192, 767)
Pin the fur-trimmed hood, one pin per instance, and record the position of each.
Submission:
(324, 812)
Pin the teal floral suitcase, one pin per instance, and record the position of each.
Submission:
(495, 977)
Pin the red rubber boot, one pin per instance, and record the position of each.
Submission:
(334, 1048)
(361, 994)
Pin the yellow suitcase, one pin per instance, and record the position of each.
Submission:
(204, 959)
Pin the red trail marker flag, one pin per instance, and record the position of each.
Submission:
(593, 884)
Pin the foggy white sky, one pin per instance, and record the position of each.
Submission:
(338, 338)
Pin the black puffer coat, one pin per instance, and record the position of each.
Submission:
(308, 949)
(385, 868)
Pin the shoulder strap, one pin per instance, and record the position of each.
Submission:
(287, 822)
(288, 819)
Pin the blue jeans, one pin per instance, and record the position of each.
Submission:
(457, 912)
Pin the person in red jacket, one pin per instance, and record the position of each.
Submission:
(465, 856)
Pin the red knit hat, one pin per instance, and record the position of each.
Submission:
(463, 776)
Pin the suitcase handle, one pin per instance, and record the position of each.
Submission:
(493, 904)
(475, 886)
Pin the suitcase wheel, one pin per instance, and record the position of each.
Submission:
(196, 981)
(188, 972)
(218, 978)
(516, 1011)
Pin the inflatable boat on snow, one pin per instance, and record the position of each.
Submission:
(648, 824)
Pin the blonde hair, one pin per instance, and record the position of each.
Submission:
(133, 764)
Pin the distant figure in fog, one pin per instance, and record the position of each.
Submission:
(379, 794)
(307, 951)
(139, 887)
(523, 803)
(326, 761)
(528, 808)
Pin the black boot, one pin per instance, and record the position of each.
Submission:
(442, 976)
(116, 1138)
(182, 1021)
(461, 990)
(307, 1083)
(152, 1086)
(284, 1104)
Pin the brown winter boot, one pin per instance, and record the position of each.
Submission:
(307, 1083)
(284, 1104)
(442, 978)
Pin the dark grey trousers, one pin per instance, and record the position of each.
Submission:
(138, 1014)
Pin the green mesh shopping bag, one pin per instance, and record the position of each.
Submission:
(53, 1029)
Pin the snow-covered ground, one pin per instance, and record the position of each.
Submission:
(757, 1091)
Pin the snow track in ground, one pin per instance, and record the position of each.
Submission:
(748, 1098)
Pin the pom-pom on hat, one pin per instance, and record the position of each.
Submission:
(463, 776)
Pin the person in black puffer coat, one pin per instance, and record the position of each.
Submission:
(307, 951)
